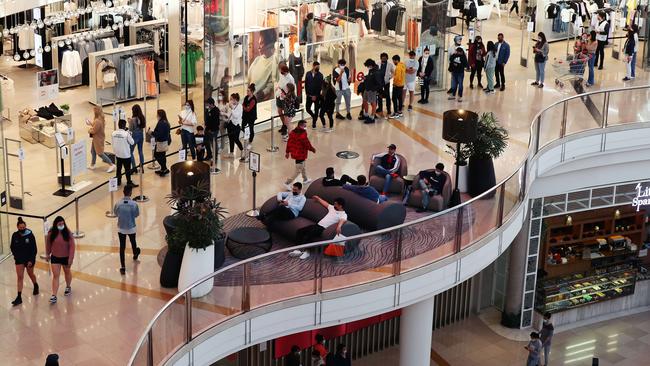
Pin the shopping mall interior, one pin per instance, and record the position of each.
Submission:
(528, 245)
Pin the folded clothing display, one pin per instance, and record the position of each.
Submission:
(49, 112)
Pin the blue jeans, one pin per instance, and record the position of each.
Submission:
(383, 172)
(633, 63)
(103, 156)
(591, 63)
(138, 139)
(425, 193)
(188, 141)
(539, 71)
(457, 83)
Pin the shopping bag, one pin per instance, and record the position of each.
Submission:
(336, 249)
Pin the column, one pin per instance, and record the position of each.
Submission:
(516, 276)
(416, 327)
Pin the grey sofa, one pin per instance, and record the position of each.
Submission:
(370, 216)
(396, 184)
(438, 202)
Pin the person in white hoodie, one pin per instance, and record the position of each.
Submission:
(122, 142)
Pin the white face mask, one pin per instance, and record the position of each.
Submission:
(187, 107)
(426, 55)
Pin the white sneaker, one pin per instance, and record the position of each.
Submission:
(110, 169)
(460, 99)
(92, 167)
(304, 255)
(328, 130)
(451, 97)
(295, 253)
(307, 181)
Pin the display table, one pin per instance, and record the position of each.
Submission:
(248, 242)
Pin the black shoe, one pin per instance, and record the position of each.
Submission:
(420, 101)
(502, 88)
(471, 86)
(362, 117)
(379, 110)
(369, 120)
(480, 85)
(426, 101)
(420, 210)
(133, 185)
(119, 184)
(36, 289)
(122, 271)
(136, 254)
(449, 91)
(348, 116)
(600, 67)
(339, 116)
(497, 86)
(17, 301)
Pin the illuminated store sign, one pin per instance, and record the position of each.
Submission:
(642, 197)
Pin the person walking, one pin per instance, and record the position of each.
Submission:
(212, 123)
(629, 51)
(602, 35)
(457, 65)
(399, 79)
(59, 251)
(281, 91)
(249, 115)
(546, 336)
(127, 211)
(503, 54)
(234, 126)
(137, 125)
(412, 66)
(476, 58)
(298, 148)
(386, 71)
(592, 46)
(23, 248)
(515, 7)
(425, 70)
(342, 80)
(490, 65)
(96, 132)
(163, 138)
(122, 146)
(533, 347)
(541, 55)
(187, 120)
(290, 105)
(328, 101)
(313, 88)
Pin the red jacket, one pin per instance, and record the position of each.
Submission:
(298, 145)
(471, 54)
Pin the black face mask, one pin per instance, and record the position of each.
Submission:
(22, 231)
(295, 193)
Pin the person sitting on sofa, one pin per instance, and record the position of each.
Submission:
(289, 206)
(431, 184)
(364, 190)
(331, 181)
(387, 167)
(335, 215)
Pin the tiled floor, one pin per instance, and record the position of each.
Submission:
(106, 314)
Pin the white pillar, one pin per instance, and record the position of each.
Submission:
(416, 327)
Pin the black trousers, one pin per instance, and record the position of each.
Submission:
(122, 238)
(346, 179)
(233, 137)
(309, 233)
(425, 88)
(515, 7)
(280, 213)
(251, 130)
(314, 114)
(126, 164)
(600, 53)
(210, 142)
(161, 158)
(329, 112)
(385, 94)
(476, 70)
(499, 75)
(398, 98)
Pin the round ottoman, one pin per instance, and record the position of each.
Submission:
(247, 242)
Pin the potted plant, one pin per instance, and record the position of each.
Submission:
(198, 229)
(491, 142)
(65, 108)
(460, 158)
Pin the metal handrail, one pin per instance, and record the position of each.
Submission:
(534, 132)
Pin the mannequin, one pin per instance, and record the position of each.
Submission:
(297, 67)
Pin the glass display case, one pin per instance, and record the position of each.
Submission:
(571, 291)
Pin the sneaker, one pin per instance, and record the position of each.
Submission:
(92, 167)
(410, 108)
(534, 83)
(53, 299)
(36, 289)
(626, 79)
(460, 99)
(285, 138)
(540, 86)
(242, 159)
(369, 120)
(328, 130)
(451, 97)
(394, 115)
(110, 169)
(362, 117)
(295, 253)
(307, 181)
(136, 254)
(339, 116)
(348, 116)
(304, 255)
(491, 91)
(288, 186)
(449, 91)
(17, 301)
(313, 127)
(68, 291)
(122, 271)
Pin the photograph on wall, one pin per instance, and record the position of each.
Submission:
(263, 61)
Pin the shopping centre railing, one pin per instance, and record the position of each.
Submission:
(238, 288)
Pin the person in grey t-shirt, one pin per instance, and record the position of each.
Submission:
(412, 66)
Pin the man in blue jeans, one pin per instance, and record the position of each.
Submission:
(387, 167)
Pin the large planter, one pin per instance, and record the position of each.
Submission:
(481, 176)
(197, 263)
(171, 266)
(463, 171)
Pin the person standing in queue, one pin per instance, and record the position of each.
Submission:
(313, 86)
(59, 249)
(187, 120)
(163, 137)
(23, 248)
(249, 115)
(211, 128)
(137, 124)
(127, 211)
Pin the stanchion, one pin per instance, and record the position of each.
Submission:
(272, 148)
(77, 233)
(254, 212)
(141, 197)
(110, 213)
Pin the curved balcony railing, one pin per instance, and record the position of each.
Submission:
(272, 277)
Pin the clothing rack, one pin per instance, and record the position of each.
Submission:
(154, 25)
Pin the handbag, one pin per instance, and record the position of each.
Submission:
(162, 146)
(336, 249)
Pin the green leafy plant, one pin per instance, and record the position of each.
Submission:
(198, 218)
(491, 141)
(65, 107)
(461, 155)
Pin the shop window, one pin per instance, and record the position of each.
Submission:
(602, 196)
(527, 318)
(578, 201)
(625, 193)
(554, 204)
(537, 208)
(531, 266)
(533, 246)
(535, 226)
(530, 282)
(528, 299)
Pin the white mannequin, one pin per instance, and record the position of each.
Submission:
(296, 49)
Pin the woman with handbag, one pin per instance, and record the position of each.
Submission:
(96, 132)
(234, 126)
(541, 55)
(163, 139)
(187, 120)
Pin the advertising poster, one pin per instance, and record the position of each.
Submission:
(263, 70)
(47, 83)
(79, 159)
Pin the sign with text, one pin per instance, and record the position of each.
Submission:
(112, 185)
(47, 83)
(79, 158)
(182, 155)
(642, 199)
(254, 161)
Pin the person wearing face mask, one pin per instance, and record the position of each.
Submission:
(163, 139)
(224, 117)
(293, 359)
(412, 66)
(431, 184)
(399, 80)
(546, 335)
(187, 120)
(249, 115)
(424, 72)
(289, 206)
(340, 358)
(476, 60)
(452, 50)
(298, 148)
(127, 211)
(373, 83)
(281, 92)
(212, 122)
(23, 248)
(387, 71)
(320, 346)
(457, 65)
(313, 87)
(342, 79)
(59, 251)
(234, 126)
(122, 141)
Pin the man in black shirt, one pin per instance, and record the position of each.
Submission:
(431, 184)
(331, 181)
(313, 87)
(211, 127)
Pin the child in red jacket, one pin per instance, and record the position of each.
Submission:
(298, 147)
